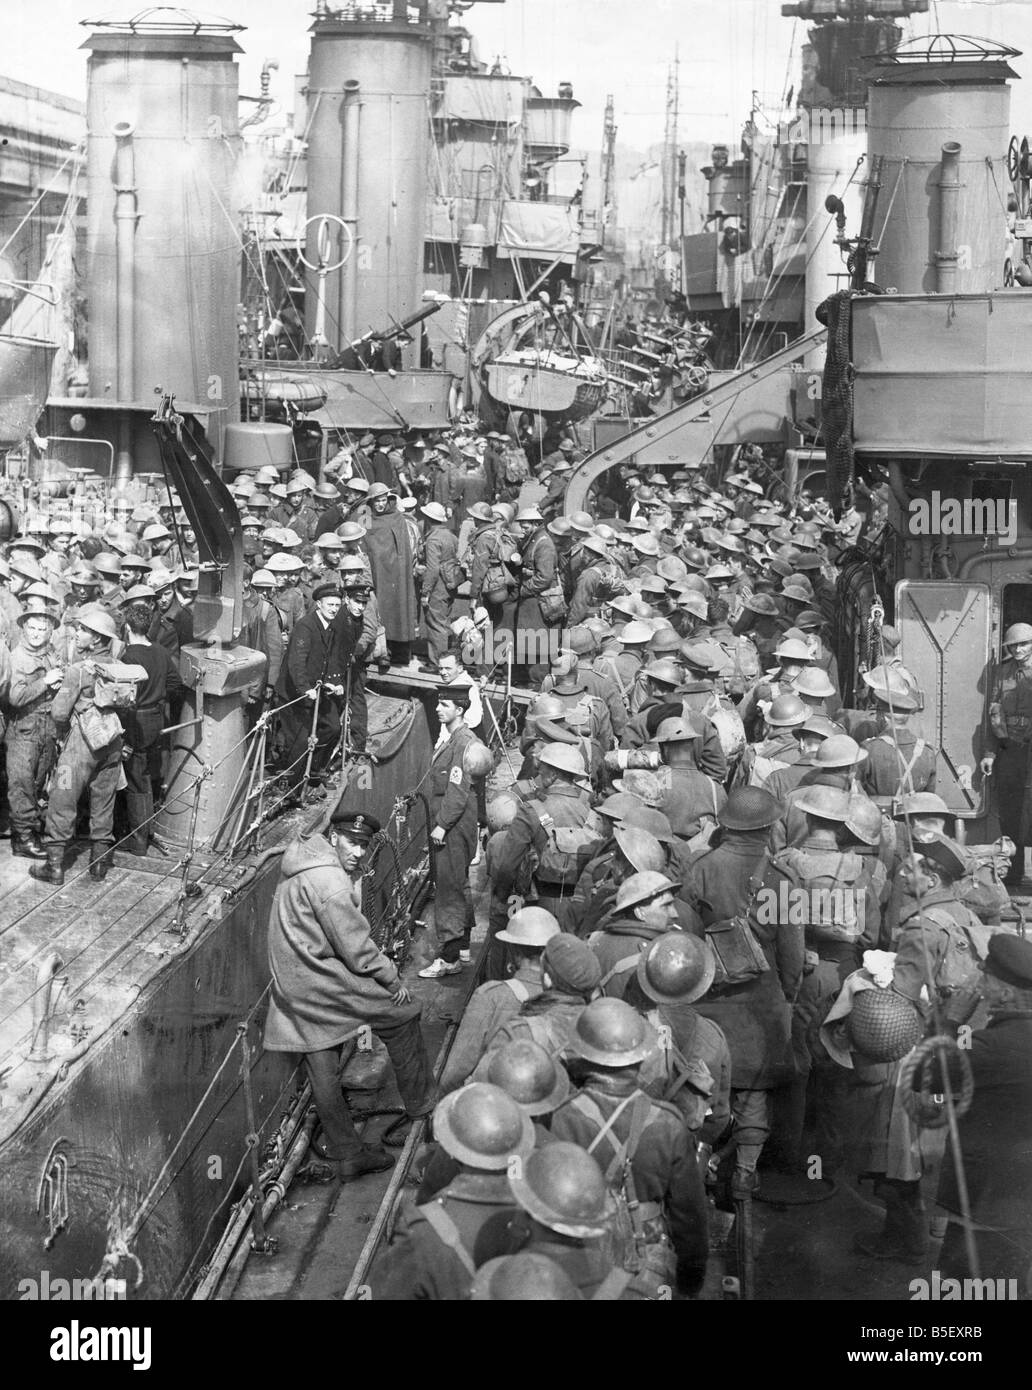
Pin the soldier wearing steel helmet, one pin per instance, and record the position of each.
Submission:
(570, 973)
(1007, 742)
(643, 909)
(492, 1004)
(438, 1247)
(898, 760)
(755, 1013)
(557, 826)
(89, 759)
(642, 1145)
(692, 1067)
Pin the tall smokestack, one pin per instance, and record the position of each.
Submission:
(164, 254)
(388, 56)
(930, 93)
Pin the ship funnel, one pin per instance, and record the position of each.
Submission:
(939, 120)
(163, 248)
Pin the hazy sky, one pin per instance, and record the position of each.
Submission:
(727, 49)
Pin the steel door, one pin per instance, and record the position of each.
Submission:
(945, 630)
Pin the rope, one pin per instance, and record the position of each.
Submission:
(918, 1101)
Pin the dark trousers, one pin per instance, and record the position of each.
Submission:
(143, 728)
(358, 709)
(1010, 772)
(435, 624)
(31, 753)
(298, 729)
(407, 1051)
(453, 898)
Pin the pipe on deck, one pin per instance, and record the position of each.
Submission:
(349, 212)
(949, 202)
(125, 275)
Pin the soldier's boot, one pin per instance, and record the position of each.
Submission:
(1014, 875)
(101, 859)
(53, 870)
(27, 846)
(904, 1236)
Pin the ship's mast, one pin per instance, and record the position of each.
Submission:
(670, 152)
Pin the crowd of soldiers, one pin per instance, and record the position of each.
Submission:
(724, 905)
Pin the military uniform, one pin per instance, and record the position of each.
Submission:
(453, 806)
(664, 1164)
(565, 807)
(891, 772)
(79, 766)
(438, 1247)
(31, 736)
(439, 547)
(490, 1008)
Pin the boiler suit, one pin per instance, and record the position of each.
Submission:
(453, 806)
(1010, 739)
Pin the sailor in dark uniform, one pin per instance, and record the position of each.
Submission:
(1008, 742)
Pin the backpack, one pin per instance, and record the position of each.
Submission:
(567, 848)
(829, 909)
(453, 574)
(115, 686)
(517, 470)
(968, 946)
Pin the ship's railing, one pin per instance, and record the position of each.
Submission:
(376, 12)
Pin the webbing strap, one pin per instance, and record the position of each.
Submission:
(448, 1233)
(623, 1150)
(625, 963)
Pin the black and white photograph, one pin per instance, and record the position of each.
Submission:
(516, 666)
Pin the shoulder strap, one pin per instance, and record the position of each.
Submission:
(623, 1150)
(448, 1233)
(520, 990)
(949, 924)
(626, 963)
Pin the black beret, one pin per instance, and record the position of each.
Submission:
(1010, 960)
(945, 854)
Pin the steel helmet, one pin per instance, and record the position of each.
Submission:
(791, 649)
(796, 592)
(563, 757)
(703, 656)
(762, 604)
(261, 579)
(813, 682)
(646, 544)
(483, 1127)
(134, 562)
(634, 634)
(612, 1034)
(883, 1026)
(284, 564)
(1017, 632)
(529, 516)
(694, 603)
(351, 532)
(156, 532)
(819, 726)
(36, 608)
(329, 541)
(97, 620)
(665, 671)
(477, 760)
(787, 711)
(642, 887)
(547, 706)
(676, 730)
(922, 804)
(839, 750)
(640, 849)
(530, 926)
(630, 605)
(349, 564)
(828, 803)
(563, 1187)
(641, 784)
(655, 822)
(676, 968)
(433, 511)
(749, 808)
(809, 620)
(107, 563)
(523, 1278)
(582, 521)
(82, 574)
(595, 545)
(665, 640)
(864, 820)
(617, 806)
(671, 568)
(525, 1071)
(501, 811)
(267, 475)
(800, 581)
